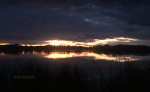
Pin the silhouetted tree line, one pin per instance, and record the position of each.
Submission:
(17, 48)
(107, 49)
(122, 49)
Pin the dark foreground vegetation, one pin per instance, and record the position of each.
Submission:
(73, 79)
(107, 49)
(25, 74)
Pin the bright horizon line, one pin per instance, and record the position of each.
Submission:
(94, 42)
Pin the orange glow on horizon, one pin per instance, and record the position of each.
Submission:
(87, 43)
(91, 43)
(61, 42)
(33, 44)
(4, 43)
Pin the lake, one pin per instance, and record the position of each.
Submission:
(74, 71)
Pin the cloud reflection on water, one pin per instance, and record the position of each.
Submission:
(72, 54)
(61, 55)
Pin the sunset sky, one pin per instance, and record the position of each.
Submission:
(83, 22)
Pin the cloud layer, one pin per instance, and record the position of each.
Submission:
(76, 20)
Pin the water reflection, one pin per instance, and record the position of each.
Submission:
(82, 71)
(59, 55)
(86, 54)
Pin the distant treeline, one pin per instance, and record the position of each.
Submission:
(107, 49)
(18, 47)
(123, 49)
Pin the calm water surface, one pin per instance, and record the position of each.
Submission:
(94, 72)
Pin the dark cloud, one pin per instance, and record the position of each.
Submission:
(77, 20)
(79, 2)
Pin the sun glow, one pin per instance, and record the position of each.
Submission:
(4, 43)
(61, 42)
(86, 43)
(91, 43)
